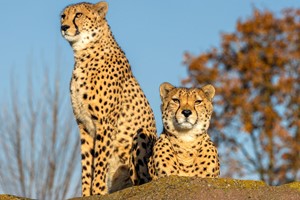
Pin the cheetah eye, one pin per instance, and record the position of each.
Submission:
(77, 15)
(176, 100)
(197, 102)
(63, 16)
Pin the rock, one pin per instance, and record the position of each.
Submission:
(185, 188)
(11, 197)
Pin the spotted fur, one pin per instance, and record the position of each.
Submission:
(184, 148)
(116, 123)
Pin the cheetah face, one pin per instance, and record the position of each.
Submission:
(81, 22)
(186, 110)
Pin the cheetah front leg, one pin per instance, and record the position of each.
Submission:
(87, 148)
(101, 156)
(140, 154)
(111, 169)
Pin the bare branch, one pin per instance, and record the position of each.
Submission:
(41, 158)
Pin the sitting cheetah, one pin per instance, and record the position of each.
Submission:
(184, 147)
(116, 123)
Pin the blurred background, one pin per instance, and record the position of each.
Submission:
(249, 50)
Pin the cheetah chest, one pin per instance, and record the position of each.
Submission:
(186, 157)
(80, 109)
(192, 157)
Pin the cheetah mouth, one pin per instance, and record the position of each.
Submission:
(185, 125)
(65, 34)
(70, 38)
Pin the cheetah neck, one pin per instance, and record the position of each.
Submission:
(186, 136)
(187, 144)
(104, 44)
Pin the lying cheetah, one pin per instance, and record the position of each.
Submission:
(184, 147)
(116, 123)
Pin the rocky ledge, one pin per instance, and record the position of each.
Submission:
(185, 188)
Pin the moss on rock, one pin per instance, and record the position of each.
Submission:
(11, 197)
(294, 185)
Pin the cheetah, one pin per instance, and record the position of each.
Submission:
(184, 148)
(116, 123)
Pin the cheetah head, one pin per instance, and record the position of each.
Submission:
(80, 23)
(186, 111)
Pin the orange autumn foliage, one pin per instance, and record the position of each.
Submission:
(256, 73)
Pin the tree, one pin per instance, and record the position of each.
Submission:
(40, 151)
(256, 72)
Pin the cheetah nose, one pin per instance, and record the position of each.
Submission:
(64, 27)
(186, 113)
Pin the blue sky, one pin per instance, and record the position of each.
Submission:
(153, 34)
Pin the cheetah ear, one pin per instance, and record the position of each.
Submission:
(209, 90)
(101, 7)
(164, 89)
